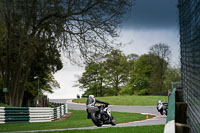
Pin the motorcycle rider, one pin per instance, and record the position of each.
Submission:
(162, 107)
(90, 105)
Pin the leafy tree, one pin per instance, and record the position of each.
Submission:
(132, 58)
(141, 73)
(162, 51)
(1, 78)
(84, 28)
(173, 74)
(145, 75)
(1, 91)
(46, 84)
(92, 79)
(117, 70)
(107, 77)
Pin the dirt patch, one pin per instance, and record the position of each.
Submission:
(64, 116)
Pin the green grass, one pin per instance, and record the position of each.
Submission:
(4, 105)
(76, 119)
(138, 129)
(129, 100)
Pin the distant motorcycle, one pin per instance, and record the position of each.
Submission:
(162, 107)
(103, 116)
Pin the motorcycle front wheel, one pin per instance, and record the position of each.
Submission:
(96, 120)
(113, 121)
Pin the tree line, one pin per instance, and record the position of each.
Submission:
(118, 74)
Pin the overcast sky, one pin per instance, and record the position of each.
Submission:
(148, 23)
(152, 14)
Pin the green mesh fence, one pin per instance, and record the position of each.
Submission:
(189, 20)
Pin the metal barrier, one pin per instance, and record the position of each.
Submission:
(60, 111)
(170, 124)
(31, 114)
(2, 115)
(177, 113)
(40, 114)
(16, 114)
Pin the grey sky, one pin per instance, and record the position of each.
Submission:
(152, 14)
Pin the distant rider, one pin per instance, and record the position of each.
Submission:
(90, 104)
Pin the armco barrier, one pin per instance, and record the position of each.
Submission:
(16, 114)
(31, 114)
(40, 114)
(58, 112)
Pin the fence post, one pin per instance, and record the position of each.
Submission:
(55, 113)
(66, 109)
(61, 111)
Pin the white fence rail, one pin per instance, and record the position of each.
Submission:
(2, 115)
(31, 114)
(40, 114)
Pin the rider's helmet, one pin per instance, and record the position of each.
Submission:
(91, 96)
(159, 102)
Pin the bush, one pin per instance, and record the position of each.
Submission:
(50, 105)
(141, 92)
(125, 91)
(4, 105)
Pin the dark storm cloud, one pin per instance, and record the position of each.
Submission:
(152, 14)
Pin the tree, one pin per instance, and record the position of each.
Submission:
(116, 66)
(173, 74)
(126, 89)
(162, 51)
(132, 58)
(84, 28)
(1, 79)
(46, 83)
(92, 79)
(144, 77)
(106, 77)
(1, 90)
(141, 73)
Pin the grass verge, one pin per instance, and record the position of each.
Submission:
(129, 100)
(4, 105)
(76, 119)
(138, 129)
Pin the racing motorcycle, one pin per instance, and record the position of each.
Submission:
(162, 107)
(103, 116)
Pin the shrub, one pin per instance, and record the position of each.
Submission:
(4, 105)
(125, 91)
(141, 92)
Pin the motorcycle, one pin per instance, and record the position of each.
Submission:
(162, 107)
(103, 116)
